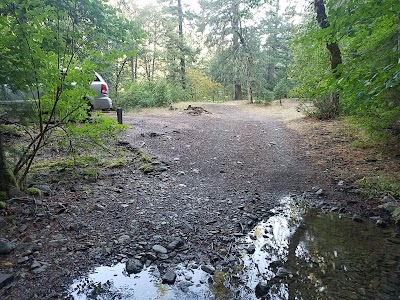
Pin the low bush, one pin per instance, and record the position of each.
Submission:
(143, 94)
(282, 88)
(266, 98)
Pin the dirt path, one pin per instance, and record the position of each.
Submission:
(218, 174)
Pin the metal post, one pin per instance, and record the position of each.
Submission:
(119, 115)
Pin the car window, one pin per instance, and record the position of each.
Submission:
(97, 79)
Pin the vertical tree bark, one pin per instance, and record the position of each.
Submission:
(181, 46)
(334, 50)
(5, 177)
(235, 27)
(238, 91)
(398, 35)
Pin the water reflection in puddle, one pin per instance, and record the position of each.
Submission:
(114, 283)
(297, 253)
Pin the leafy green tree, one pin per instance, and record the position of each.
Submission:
(368, 77)
(226, 23)
(49, 49)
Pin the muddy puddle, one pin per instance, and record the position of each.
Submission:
(297, 253)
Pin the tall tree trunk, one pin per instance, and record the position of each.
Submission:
(235, 27)
(334, 50)
(238, 91)
(181, 46)
(118, 75)
(6, 179)
(398, 36)
(249, 88)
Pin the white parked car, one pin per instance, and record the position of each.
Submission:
(101, 101)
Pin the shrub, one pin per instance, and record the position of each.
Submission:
(143, 94)
(282, 88)
(266, 98)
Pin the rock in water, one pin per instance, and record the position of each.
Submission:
(208, 269)
(251, 249)
(169, 277)
(133, 266)
(262, 289)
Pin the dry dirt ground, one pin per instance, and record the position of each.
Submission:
(215, 176)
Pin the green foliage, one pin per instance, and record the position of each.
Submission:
(369, 85)
(148, 165)
(147, 168)
(267, 98)
(146, 93)
(50, 50)
(201, 88)
(2, 203)
(282, 88)
(144, 156)
(374, 187)
(34, 192)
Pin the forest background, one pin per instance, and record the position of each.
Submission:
(338, 58)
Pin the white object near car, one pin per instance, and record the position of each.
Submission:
(101, 101)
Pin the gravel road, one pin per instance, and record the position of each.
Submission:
(216, 175)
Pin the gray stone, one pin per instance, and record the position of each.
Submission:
(35, 264)
(150, 256)
(251, 249)
(123, 239)
(208, 269)
(6, 247)
(389, 198)
(133, 266)
(283, 273)
(253, 217)
(39, 270)
(390, 206)
(160, 249)
(169, 277)
(22, 228)
(163, 256)
(22, 259)
(184, 286)
(5, 279)
(46, 190)
(319, 192)
(28, 247)
(99, 207)
(262, 289)
(175, 244)
(381, 223)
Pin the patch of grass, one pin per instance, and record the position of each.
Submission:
(374, 187)
(34, 192)
(360, 144)
(147, 168)
(118, 162)
(3, 204)
(3, 196)
(144, 156)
